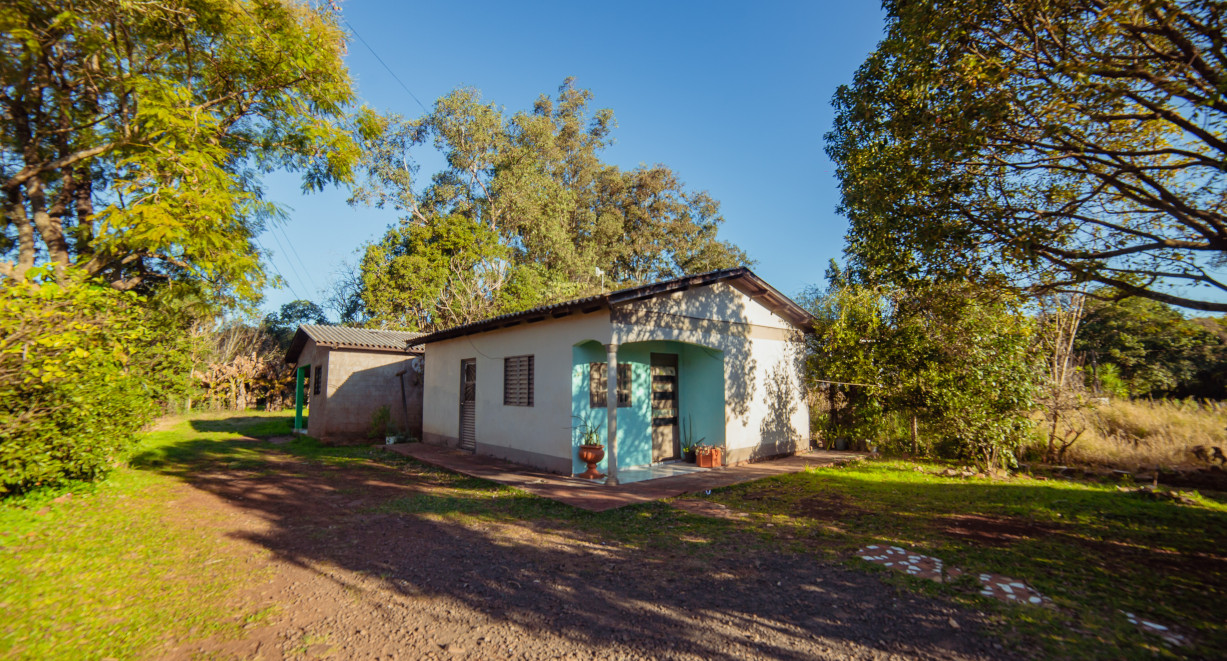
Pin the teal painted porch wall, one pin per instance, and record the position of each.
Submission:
(701, 400)
(700, 397)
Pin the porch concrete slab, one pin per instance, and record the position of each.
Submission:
(594, 496)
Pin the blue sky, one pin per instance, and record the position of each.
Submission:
(733, 96)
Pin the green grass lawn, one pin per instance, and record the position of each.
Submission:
(110, 571)
(1094, 550)
(113, 572)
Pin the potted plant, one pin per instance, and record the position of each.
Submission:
(689, 445)
(709, 456)
(688, 453)
(591, 450)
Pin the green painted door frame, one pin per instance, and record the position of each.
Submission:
(300, 376)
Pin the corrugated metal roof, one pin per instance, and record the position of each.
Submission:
(758, 288)
(360, 337)
(343, 337)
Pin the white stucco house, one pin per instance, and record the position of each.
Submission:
(713, 358)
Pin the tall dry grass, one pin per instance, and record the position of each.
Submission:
(1133, 434)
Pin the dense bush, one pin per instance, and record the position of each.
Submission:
(1147, 348)
(82, 369)
(951, 364)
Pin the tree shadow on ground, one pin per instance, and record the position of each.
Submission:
(1096, 552)
(641, 581)
(261, 426)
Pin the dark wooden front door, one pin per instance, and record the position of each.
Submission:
(468, 404)
(665, 442)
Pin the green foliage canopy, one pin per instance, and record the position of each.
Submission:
(1154, 349)
(82, 368)
(1042, 144)
(282, 324)
(134, 134)
(523, 213)
(958, 358)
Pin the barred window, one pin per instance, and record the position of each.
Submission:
(315, 383)
(518, 381)
(598, 384)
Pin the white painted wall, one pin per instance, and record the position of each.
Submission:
(765, 407)
(517, 433)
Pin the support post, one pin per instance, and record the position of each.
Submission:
(611, 404)
(298, 397)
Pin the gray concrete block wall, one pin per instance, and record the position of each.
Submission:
(355, 384)
(360, 382)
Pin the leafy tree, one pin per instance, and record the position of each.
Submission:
(955, 360)
(456, 266)
(282, 325)
(134, 134)
(845, 357)
(82, 369)
(1041, 144)
(543, 211)
(1155, 350)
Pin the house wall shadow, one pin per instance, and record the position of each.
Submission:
(358, 391)
(761, 354)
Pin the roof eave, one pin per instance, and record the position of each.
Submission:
(584, 306)
(296, 346)
(741, 277)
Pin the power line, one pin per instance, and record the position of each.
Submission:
(301, 280)
(294, 251)
(276, 270)
(385, 66)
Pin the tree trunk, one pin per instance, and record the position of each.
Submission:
(49, 226)
(16, 215)
(1052, 431)
(84, 197)
(915, 438)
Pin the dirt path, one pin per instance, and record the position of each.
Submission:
(339, 578)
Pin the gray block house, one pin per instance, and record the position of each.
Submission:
(346, 374)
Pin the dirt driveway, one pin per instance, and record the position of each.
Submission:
(371, 560)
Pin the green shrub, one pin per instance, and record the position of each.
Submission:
(381, 423)
(82, 369)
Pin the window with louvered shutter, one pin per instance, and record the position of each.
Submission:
(598, 383)
(518, 381)
(319, 372)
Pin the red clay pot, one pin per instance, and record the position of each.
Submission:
(710, 457)
(591, 455)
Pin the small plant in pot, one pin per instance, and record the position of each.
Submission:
(690, 446)
(591, 450)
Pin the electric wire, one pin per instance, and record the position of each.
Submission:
(301, 280)
(294, 251)
(385, 66)
(276, 270)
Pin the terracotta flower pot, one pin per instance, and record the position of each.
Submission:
(591, 455)
(710, 457)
